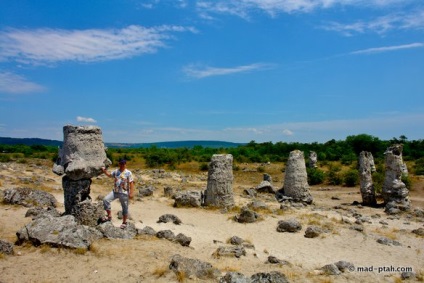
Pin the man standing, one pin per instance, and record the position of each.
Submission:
(123, 190)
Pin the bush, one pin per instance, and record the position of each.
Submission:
(204, 167)
(351, 178)
(407, 181)
(333, 176)
(419, 167)
(315, 176)
(378, 180)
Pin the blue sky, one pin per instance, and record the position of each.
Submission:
(234, 70)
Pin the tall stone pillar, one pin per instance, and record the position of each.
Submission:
(81, 158)
(395, 193)
(296, 184)
(219, 191)
(366, 167)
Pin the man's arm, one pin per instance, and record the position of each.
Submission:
(131, 195)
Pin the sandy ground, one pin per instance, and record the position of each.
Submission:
(146, 258)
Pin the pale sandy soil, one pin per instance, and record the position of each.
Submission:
(146, 259)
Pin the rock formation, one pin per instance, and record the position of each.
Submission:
(296, 187)
(366, 167)
(219, 191)
(395, 193)
(81, 158)
(313, 159)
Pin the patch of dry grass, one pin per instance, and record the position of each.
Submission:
(391, 233)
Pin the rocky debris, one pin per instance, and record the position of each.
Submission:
(219, 191)
(234, 277)
(271, 277)
(37, 212)
(250, 192)
(395, 193)
(267, 177)
(265, 187)
(356, 227)
(146, 231)
(290, 225)
(257, 205)
(313, 231)
(344, 266)
(408, 275)
(366, 167)
(88, 213)
(246, 216)
(6, 247)
(83, 153)
(274, 260)
(169, 218)
(419, 231)
(331, 269)
(29, 197)
(146, 191)
(165, 234)
(168, 191)
(59, 232)
(237, 241)
(188, 199)
(193, 268)
(111, 232)
(183, 240)
(388, 242)
(295, 180)
(313, 159)
(231, 251)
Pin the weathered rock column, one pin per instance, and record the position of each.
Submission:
(296, 184)
(219, 191)
(395, 193)
(81, 158)
(366, 167)
(313, 159)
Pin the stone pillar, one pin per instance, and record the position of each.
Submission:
(313, 159)
(296, 184)
(81, 158)
(395, 193)
(219, 191)
(366, 167)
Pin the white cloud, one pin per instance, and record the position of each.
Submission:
(243, 8)
(46, 46)
(388, 48)
(196, 71)
(86, 120)
(287, 132)
(16, 84)
(399, 21)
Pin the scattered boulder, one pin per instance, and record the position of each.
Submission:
(146, 191)
(234, 277)
(166, 234)
(232, 251)
(331, 269)
(344, 266)
(6, 247)
(219, 191)
(313, 231)
(388, 242)
(271, 277)
(193, 268)
(183, 240)
(146, 231)
(37, 212)
(88, 213)
(246, 216)
(419, 231)
(59, 232)
(290, 225)
(274, 260)
(168, 191)
(265, 187)
(29, 197)
(112, 232)
(188, 199)
(169, 218)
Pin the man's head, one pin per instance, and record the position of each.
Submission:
(122, 163)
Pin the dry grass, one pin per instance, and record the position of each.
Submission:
(391, 233)
(160, 271)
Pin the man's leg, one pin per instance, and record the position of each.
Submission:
(107, 204)
(123, 198)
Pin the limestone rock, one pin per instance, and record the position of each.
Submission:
(219, 191)
(290, 225)
(29, 197)
(193, 268)
(366, 167)
(188, 199)
(83, 153)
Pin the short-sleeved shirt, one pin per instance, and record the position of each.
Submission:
(122, 181)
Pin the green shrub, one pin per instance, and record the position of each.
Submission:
(315, 176)
(378, 180)
(407, 181)
(351, 178)
(333, 176)
(419, 166)
(204, 167)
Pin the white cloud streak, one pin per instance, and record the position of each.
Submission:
(15, 84)
(381, 25)
(199, 72)
(85, 120)
(387, 48)
(243, 8)
(46, 46)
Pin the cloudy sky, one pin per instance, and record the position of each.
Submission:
(233, 70)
